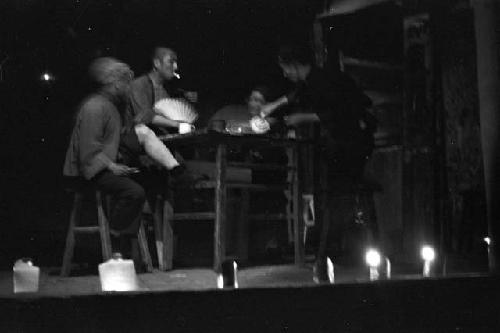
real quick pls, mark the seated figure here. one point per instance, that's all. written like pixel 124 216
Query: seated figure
pixel 238 117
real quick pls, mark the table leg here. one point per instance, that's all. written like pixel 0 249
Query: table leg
pixel 243 227
pixel 298 222
pixel 289 193
pixel 220 206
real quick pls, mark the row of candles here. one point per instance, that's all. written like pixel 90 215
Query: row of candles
pixel 378 265
pixel 118 274
pixel 324 269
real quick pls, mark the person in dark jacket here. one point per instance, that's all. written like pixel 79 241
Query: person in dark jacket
pixel 346 133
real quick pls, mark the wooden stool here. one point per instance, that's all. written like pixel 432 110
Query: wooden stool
pixel 102 228
pixel 163 230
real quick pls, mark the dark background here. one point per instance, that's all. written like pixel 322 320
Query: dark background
pixel 224 48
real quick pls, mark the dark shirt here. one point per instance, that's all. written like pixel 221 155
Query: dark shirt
pixel 336 100
pixel 342 109
pixel 143 95
pixel 140 102
pixel 95 137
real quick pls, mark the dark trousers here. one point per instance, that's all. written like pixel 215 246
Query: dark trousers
pixel 127 200
pixel 337 189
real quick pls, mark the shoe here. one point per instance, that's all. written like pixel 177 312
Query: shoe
pixel 180 177
pixel 178 170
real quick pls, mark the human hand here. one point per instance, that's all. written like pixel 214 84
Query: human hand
pixel 121 169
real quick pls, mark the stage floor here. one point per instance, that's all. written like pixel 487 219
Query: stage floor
pixel 276 276
pixel 270 299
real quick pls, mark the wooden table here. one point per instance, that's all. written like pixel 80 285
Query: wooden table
pixel 221 142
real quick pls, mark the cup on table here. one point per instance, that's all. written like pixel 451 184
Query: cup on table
pixel 185 128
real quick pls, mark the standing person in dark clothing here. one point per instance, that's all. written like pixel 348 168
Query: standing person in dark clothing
pixel 333 100
pixel 346 129
pixel 93 148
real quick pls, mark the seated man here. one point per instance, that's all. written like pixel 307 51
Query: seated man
pixel 93 149
pixel 238 116
pixel 140 117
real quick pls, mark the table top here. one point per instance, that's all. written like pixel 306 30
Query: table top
pixel 210 137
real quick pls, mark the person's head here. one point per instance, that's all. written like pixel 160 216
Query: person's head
pixel 164 63
pixel 111 74
pixel 295 61
pixel 257 98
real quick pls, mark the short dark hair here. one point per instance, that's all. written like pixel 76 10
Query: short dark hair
pixel 160 52
pixel 295 53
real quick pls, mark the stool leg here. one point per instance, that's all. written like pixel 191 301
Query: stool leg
pixel 144 248
pixel 103 228
pixel 157 224
pixel 167 235
pixel 70 237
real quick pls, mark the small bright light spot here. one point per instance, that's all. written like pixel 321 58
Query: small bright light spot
pixel 47 77
pixel 427 253
pixel 487 240
pixel 372 258
pixel 89 28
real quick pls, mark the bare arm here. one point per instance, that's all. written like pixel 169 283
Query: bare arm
pixel 269 108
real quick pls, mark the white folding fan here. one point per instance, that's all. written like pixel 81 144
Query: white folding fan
pixel 176 109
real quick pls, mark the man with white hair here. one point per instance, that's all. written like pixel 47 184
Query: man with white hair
pixel 93 149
